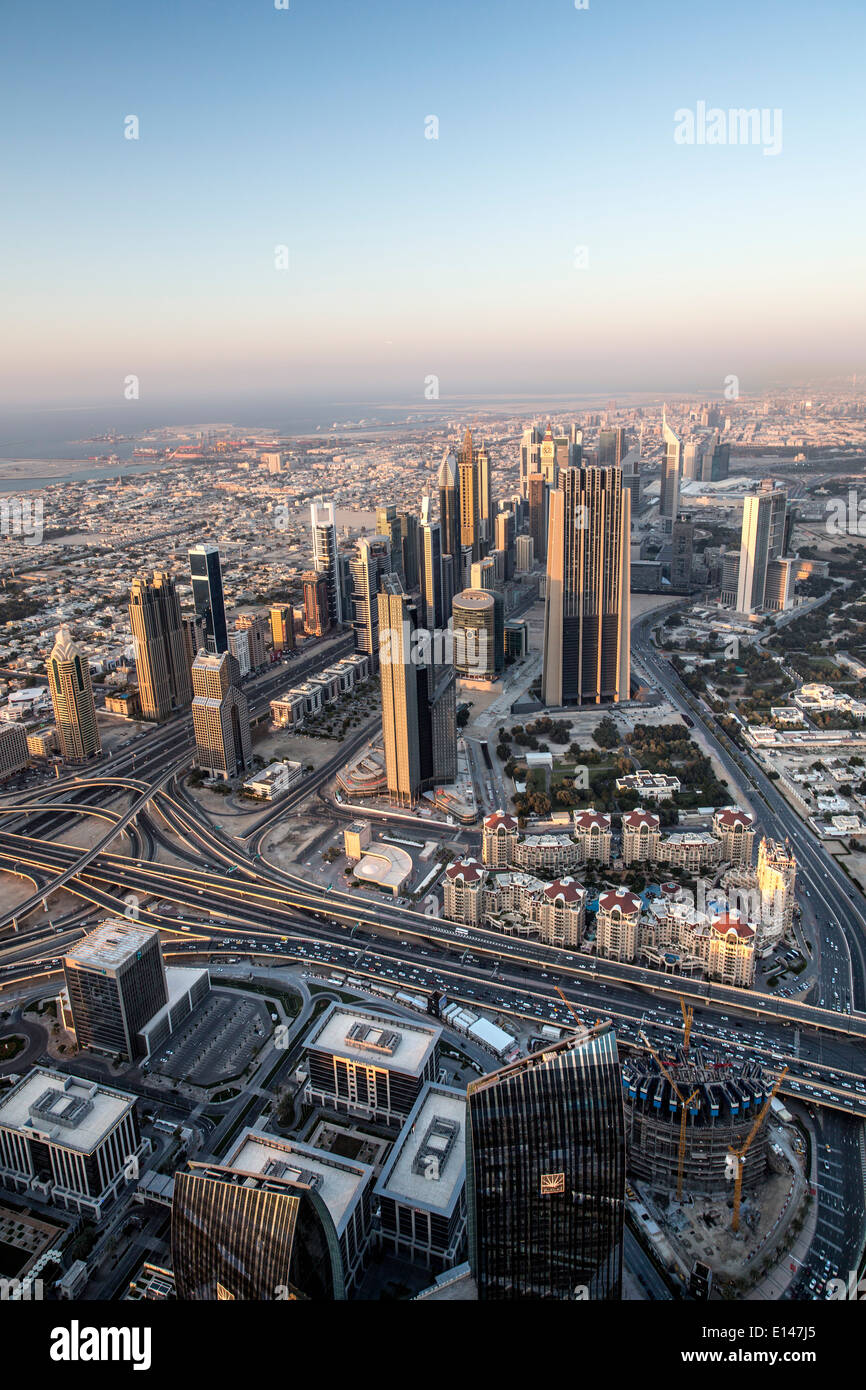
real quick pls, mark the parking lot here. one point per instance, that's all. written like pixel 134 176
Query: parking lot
pixel 218 1041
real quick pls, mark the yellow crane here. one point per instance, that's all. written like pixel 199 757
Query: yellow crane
pixel 688 1016
pixel 737 1157
pixel 684 1111
pixel 573 1010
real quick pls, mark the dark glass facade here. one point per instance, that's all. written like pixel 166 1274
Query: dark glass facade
pixel 109 1007
pixel 546 1174
pixel 234 1236
pixel 207 592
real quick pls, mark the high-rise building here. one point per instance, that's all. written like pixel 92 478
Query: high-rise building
pixel 482 574
pixel 409 553
pixel 255 625
pixel 470 497
pixel 545 1179
pixel 682 545
pixel 433 614
pixel 485 493
pixel 631 476
pixel 525 548
pixel 194 640
pixel 419 708
pixel 115 979
pixel 549 459
pixel 207 592
pixel 282 616
pixel 449 507
pixel 239 646
pixel 317 613
pixel 763 540
pixel 161 664
pixel 587 611
pixel 505 534
pixel 372 559
pixel 611 448
pixel 537 491
pixel 479 634
pixel 672 468
pixel 220 715
pixel 264 1236
pixel 388 525
pixel 530 456
pixel 14 751
pixel 448 586
pixel 72 698
pixel 325 556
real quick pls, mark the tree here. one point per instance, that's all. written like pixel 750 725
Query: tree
pixel 605 734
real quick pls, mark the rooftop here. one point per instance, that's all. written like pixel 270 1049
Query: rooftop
pixel 340 1182
pixel 111 945
pixel 409 1046
pixel 72 1112
pixel 427 1166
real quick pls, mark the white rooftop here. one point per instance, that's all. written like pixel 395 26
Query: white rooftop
pixel 107 1107
pixel 409 1046
pixel 341 1180
pixel 112 943
pixel 441 1159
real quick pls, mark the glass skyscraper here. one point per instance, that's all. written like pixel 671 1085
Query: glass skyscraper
pixel 207 593
pixel 546 1173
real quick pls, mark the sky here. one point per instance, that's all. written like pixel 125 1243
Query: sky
pixel 411 258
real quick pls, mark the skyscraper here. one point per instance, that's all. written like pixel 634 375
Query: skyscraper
pixel 537 492
pixel 220 715
pixel 433 614
pixel 504 536
pixel 762 541
pixel 672 469
pixel 485 494
pixel 161 665
pixel 409 553
pixel 325 556
pixel 479 634
pixel 72 698
pixel 545 1180
pixel 682 546
pixel 207 592
pixel 587 608
pixel 317 615
pixel 419 709
pixel 115 979
pixel 530 456
pixel 282 618
pixel 470 496
pixel 388 524
pixel 449 506
pixel 372 559
pixel 611 447
pixel 262 1236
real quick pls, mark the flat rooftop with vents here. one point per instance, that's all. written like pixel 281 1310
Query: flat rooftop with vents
pixel 111 945
pixel 366 1035
pixel 75 1113
pixel 340 1182
pixel 427 1166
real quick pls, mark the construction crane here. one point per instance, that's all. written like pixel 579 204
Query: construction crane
pixel 688 1015
pixel 573 1010
pixel 684 1111
pixel 737 1157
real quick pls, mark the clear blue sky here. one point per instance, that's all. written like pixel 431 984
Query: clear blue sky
pixel 408 256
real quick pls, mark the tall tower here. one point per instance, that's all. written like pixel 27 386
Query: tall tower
pixel 325 561
pixel 372 560
pixel 537 491
pixel 72 698
pixel 207 592
pixel 672 467
pixel 162 668
pixel 470 496
pixel 545 1174
pixel 485 493
pixel 433 613
pixel 530 456
pixel 587 606
pixel 419 708
pixel 388 524
pixel 449 506
pixel 220 715
pixel 762 540
pixel 317 614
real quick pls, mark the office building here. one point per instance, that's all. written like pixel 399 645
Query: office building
pixel 67 1141
pixel 409 552
pixel 207 592
pixel 116 983
pixel 672 468
pixel 14 750
pixel 388 526
pixel 470 496
pixel 530 456
pixel 485 494
pixel 479 634
pixel 419 709
pixel 525 548
pixel 282 617
pixel 372 559
pixel 586 614
pixel 433 612
pixel 239 646
pixel 545 1174
pixel 326 558
pixel 220 716
pixel 449 508
pixel 258 631
pixel 611 448
pixel 368 1063
pixel 317 615
pixel 504 536
pixel 253 1236
pixel 422 1189
pixel 537 492
pixel 161 666
pixel 631 476
pixel 682 545
pixel 763 540
pixel 72 699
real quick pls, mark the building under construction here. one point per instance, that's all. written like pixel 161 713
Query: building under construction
pixel 729 1096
